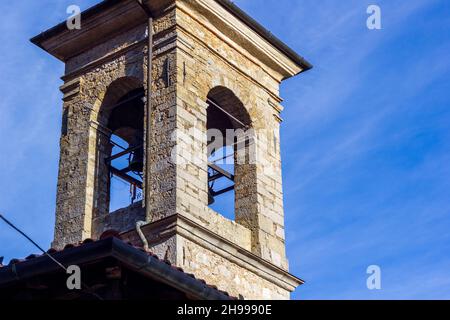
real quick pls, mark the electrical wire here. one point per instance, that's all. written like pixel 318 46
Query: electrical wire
pixel 9 223
pixel 31 240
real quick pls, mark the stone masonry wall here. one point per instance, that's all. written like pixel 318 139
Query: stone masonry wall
pixel 83 189
pixel 204 62
pixel 191 57
pixel 200 252
pixel 226 275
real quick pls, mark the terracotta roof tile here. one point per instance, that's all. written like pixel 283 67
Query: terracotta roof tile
pixel 106 235
pixel 32 256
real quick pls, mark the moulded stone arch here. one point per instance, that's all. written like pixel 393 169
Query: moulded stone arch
pixel 100 147
pixel 111 93
pixel 243 90
pixel 230 113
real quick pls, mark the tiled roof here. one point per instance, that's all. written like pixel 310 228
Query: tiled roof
pixel 109 235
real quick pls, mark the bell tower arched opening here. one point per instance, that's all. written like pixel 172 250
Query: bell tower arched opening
pixel 229 139
pixel 119 171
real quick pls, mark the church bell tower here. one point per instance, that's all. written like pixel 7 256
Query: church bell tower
pixel 170 137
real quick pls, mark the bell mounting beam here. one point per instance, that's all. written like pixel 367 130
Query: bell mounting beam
pixel 219 173
pixel 123 173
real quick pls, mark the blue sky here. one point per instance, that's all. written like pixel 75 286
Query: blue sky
pixel 366 145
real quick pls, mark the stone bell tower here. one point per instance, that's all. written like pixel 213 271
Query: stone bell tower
pixel 214 72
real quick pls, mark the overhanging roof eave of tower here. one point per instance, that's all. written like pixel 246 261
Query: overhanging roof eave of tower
pixel 50 40
pixel 266 34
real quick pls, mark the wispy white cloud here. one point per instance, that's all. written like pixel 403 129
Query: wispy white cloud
pixel 338 118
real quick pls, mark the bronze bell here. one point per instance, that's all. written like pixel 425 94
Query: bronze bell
pixel 137 160
pixel 211 199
